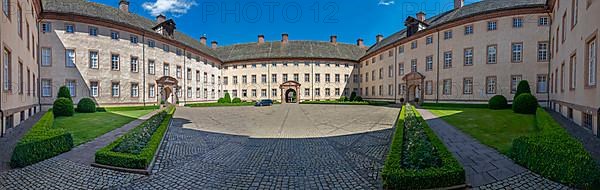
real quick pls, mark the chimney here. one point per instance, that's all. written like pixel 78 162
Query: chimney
pixel 284 38
pixel 458 4
pixel 261 39
pixel 333 39
pixel 421 16
pixel 379 38
pixel 160 18
pixel 214 44
pixel 203 40
pixel 124 6
pixel 360 42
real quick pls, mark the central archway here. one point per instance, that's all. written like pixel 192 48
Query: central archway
pixel 167 86
pixel 289 92
pixel 414 81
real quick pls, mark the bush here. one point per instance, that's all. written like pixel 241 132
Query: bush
pixel 136 156
pixel 522 88
pixel 227 98
pixel 498 102
pixel 41 142
pixel 63 92
pixel 353 96
pixel 455 105
pixel 394 176
pixel 221 100
pixel 86 105
pixel 236 100
pixel 525 104
pixel 63 107
pixel 554 154
pixel 358 99
pixel 343 99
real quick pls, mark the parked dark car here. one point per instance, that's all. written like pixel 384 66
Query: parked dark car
pixel 265 102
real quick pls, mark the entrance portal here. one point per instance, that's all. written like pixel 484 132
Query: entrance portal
pixel 414 81
pixel 167 86
pixel 289 92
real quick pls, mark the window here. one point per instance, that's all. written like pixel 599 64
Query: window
pixel 429 63
pixel 94 89
pixel 468 30
pixel 573 72
pixel 166 71
pixel 448 34
pixel 297 77
pixel 114 62
pixel 468 86
pixel 491 54
pixel 285 77
pixel 587 120
pixel 574 12
pixel 490 85
pixel 592 62
pixel 244 79
pixel 274 78
pixel 306 91
pixel 562 77
pixel 46 56
pixel 134 64
pixel 327 92
pixel 429 40
pixel 317 92
pixel 6 7
pixel 517 22
pixel 165 47
pixel 253 92
pixel 542 51
pixel 46 27
pixel 133 39
pixel 367 77
pixel 253 79
pixel 413 44
pixel 20 77
pixel 400 50
pixel 327 78
pixel 178 71
pixel 413 65
pixel 69 28
pixel 468 56
pixel 263 79
pixel 93 31
pixel 543 21
pixel 447 59
pixel 517 52
pixel 46 87
pixel 134 90
pixel 116 89
pixel 6 69
pixel 317 77
pixel 93 59
pixel 235 80
pixel 447 87
pixel 390 54
pixel 19 21
pixel 306 77
pixel 151 67
pixel 178 52
pixel 514 82
pixel 346 76
pixel 151 43
pixel 542 83
pixel 70 58
pixel 274 92
pixel 400 70
pixel 564 24
pixel 225 79
pixel 429 87
pixel 491 25
pixel 336 78
pixel 390 71
pixel 71 85
pixel 114 35
pixel 263 92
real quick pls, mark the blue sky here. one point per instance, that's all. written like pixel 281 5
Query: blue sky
pixel 240 21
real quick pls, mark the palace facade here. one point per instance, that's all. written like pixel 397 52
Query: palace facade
pixel 467 55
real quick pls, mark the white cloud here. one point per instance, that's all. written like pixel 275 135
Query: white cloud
pixel 174 7
pixel 386 2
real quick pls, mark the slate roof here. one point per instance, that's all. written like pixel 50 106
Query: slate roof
pixel 469 10
pixel 291 49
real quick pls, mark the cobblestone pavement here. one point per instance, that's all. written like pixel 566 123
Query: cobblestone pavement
pixel 485 167
pixel 585 136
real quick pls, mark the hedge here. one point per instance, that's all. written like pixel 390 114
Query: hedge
pixel 554 154
pixel 394 176
pixel 127 108
pixel 455 105
pixel 41 142
pixel 107 156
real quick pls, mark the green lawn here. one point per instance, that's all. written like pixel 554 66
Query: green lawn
pixel 216 104
pixel 87 126
pixel 495 128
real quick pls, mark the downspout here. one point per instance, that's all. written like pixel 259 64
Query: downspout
pixel 548 90
pixel 312 82
pixel 144 68
pixel 437 82
pixel 269 81
pixel 2 111
pixel 184 77
pixel 395 74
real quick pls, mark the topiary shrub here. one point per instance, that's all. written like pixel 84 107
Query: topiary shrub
pixel 358 99
pixel 236 100
pixel 525 104
pixel 221 100
pixel 498 102
pixel 63 107
pixel 63 92
pixel 86 105
pixel 227 98
pixel 523 87
pixel 343 99
pixel 353 96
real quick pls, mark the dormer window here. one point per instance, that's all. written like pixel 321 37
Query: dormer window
pixel 166 28
pixel 414 25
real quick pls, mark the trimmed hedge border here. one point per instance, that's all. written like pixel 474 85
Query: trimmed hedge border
pixel 453 105
pixel 217 104
pixel 106 156
pixel 554 154
pixel 450 174
pixel 127 108
pixel 41 142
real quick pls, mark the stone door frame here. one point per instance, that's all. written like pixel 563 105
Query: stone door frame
pixel 168 87
pixel 284 87
pixel 414 81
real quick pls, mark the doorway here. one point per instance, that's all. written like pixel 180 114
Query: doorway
pixel 290 96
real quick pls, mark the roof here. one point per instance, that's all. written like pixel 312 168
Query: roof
pixel 473 9
pixel 291 49
pixel 96 10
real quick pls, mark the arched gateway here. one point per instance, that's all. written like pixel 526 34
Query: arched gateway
pixel 167 86
pixel 289 92
pixel 414 82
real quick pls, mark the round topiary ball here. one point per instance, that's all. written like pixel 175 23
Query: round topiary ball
pixel 498 102
pixel 63 107
pixel 359 99
pixel 525 104
pixel 86 105
pixel 236 100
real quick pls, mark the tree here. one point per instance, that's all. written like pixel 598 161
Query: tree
pixel 353 96
pixel 523 87
pixel 63 92
pixel 227 98
pixel 63 107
